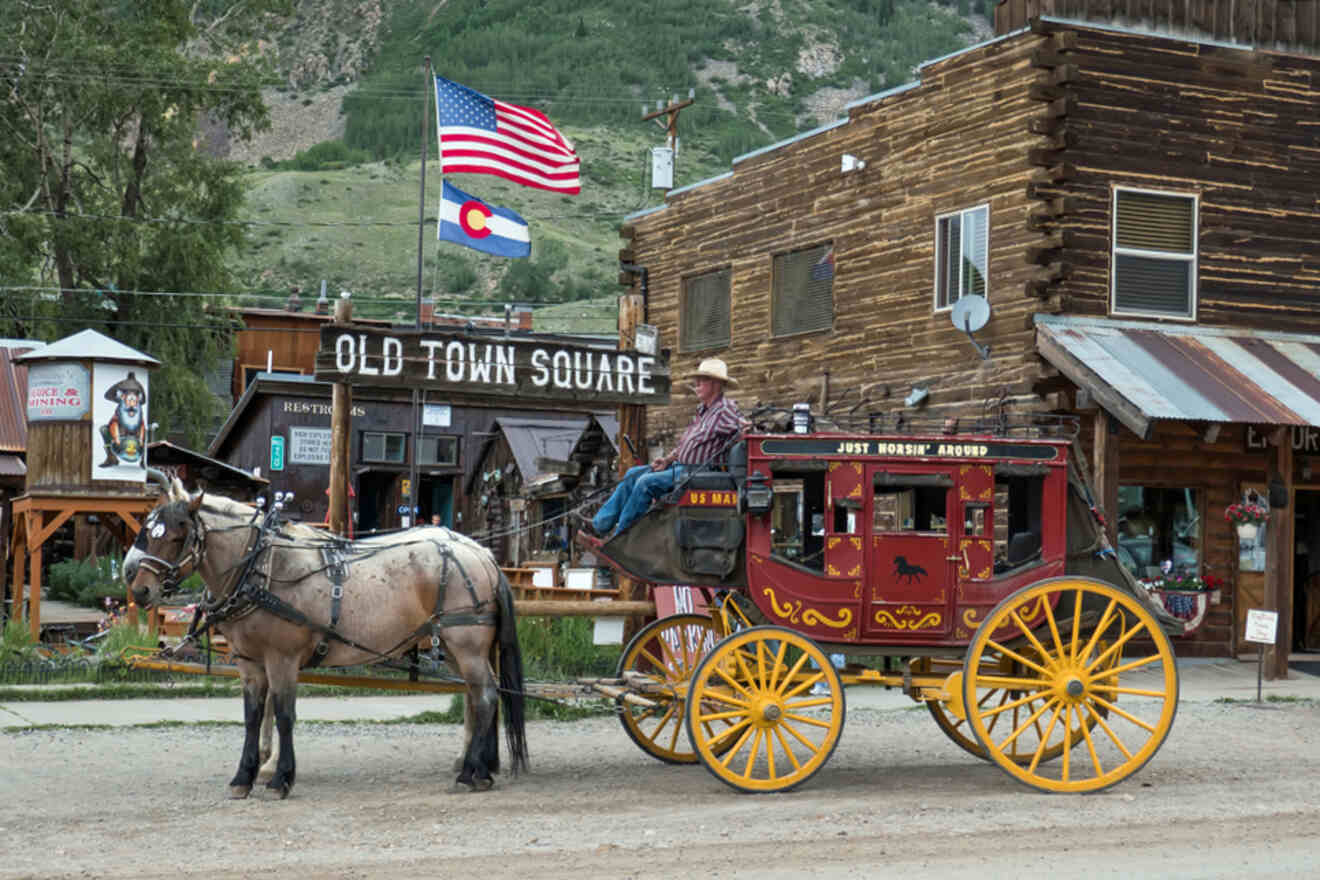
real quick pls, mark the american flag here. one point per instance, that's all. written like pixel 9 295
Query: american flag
pixel 482 136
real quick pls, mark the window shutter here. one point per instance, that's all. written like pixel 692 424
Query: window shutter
pixel 803 291
pixel 1151 222
pixel 947 265
pixel 976 230
pixel 705 318
pixel 1146 283
pixel 1149 285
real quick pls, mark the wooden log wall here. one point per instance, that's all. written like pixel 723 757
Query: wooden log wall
pixel 1270 23
pixel 59 461
pixel 957 140
pixel 1236 128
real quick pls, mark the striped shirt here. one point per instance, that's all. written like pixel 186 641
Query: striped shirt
pixel 713 427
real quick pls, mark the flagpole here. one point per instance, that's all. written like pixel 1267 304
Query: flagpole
pixel 413 509
pixel 421 196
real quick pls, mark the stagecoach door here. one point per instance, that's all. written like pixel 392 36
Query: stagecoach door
pixel 913 552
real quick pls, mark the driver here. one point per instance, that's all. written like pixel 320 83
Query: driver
pixel 716 423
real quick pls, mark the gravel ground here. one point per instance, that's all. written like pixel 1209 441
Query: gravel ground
pixel 1232 793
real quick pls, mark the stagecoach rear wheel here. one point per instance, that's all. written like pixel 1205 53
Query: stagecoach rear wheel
pixel 665 652
pixel 1095 673
pixel 782 700
pixel 1024 749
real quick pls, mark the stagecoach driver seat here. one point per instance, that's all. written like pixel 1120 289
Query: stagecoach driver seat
pixel 716 423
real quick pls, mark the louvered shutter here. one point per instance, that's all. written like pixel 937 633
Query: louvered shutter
pixel 1145 282
pixel 705 318
pixel 803 291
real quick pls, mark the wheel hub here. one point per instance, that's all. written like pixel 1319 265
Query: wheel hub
pixel 768 713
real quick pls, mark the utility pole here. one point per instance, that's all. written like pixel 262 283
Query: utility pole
pixel 662 177
pixel 675 105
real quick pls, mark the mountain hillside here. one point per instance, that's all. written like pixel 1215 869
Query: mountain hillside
pixel 351 85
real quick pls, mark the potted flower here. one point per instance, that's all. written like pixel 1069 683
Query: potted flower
pixel 1247 517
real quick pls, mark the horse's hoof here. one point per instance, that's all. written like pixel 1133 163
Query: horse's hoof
pixel 265 774
pixel 238 792
pixel 281 788
pixel 483 784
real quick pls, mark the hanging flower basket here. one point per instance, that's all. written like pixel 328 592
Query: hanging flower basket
pixel 1246 513
pixel 1247 532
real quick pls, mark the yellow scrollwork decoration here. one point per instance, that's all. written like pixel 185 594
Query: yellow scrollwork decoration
pixel 793 609
pixel 884 618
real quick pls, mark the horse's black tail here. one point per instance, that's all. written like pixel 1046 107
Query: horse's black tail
pixel 511 679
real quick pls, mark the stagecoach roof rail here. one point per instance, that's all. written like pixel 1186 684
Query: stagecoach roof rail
pixel 1041 426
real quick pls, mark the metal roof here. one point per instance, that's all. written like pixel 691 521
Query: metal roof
pixel 530 439
pixel 90 345
pixel 13 401
pixel 11 466
pixel 1145 371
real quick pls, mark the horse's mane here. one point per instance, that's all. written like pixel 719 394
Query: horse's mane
pixel 231 509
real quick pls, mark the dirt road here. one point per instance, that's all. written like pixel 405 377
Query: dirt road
pixel 1233 793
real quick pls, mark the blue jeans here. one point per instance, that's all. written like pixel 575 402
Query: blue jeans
pixel 633 496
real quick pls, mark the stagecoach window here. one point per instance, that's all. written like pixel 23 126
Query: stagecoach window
pixel 1017 519
pixel 918 508
pixel 797 520
pixel 976 521
pixel 1156 525
pixel 437 450
pixel 379 446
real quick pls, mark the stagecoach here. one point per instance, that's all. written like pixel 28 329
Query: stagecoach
pixel 967 567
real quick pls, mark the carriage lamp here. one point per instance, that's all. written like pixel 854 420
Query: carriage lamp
pixel 801 418
pixel 758 497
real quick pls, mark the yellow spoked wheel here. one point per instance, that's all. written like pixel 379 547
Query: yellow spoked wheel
pixel 782 700
pixel 665 652
pixel 1070 668
pixel 1024 749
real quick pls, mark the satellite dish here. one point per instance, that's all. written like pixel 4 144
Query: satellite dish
pixel 969 314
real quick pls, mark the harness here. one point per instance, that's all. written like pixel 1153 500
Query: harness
pixel 250 591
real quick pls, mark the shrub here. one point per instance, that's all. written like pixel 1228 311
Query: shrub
pixel 17 642
pixel 87 582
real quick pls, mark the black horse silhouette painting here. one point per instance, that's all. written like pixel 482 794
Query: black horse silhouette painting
pixel 905 569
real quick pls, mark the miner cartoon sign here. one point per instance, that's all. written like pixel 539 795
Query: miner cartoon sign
pixel 461 364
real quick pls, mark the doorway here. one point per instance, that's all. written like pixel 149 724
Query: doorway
pixel 436 495
pixel 378 499
pixel 1306 571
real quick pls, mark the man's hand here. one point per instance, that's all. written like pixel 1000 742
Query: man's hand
pixel 661 463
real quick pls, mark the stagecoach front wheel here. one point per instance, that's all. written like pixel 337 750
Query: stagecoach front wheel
pixel 781 700
pixel 662 657
pixel 1075 669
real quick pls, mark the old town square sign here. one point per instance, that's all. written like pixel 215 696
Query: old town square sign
pixel 484 366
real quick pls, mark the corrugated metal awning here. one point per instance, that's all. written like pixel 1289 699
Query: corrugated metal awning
pixel 1143 371
pixel 530 439
pixel 11 465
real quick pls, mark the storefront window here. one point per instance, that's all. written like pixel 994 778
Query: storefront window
pixel 1159 525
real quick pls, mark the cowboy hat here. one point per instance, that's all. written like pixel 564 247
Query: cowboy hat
pixel 714 368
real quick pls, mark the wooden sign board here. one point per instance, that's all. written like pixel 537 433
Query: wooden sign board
pixel 484 366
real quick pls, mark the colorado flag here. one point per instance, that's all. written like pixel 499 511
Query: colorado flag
pixel 475 224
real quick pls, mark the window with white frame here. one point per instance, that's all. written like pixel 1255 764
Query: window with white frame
pixel 962 255
pixel 803 300
pixel 1154 267
pixel 704 322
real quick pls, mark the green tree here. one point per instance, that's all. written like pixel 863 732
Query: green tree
pixel 113 215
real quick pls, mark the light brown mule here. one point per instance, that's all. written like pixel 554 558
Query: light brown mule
pixel 271 592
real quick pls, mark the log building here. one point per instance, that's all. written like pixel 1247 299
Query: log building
pixel 1137 201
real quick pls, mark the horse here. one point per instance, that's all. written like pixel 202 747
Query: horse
pixel 288 596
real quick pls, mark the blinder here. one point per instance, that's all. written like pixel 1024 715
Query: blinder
pixel 171 574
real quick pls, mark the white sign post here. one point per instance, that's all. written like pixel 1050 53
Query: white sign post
pixel 1262 627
